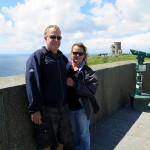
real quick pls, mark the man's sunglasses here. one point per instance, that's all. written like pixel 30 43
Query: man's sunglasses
pixel 78 53
pixel 55 37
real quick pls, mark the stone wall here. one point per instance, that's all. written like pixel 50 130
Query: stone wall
pixel 116 82
pixel 15 125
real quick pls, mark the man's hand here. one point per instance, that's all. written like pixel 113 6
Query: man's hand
pixel 36 117
pixel 70 82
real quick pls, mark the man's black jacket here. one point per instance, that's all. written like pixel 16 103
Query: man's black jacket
pixel 46 80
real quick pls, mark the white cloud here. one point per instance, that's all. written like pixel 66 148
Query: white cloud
pixel 22 26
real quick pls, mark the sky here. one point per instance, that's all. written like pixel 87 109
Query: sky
pixel 96 23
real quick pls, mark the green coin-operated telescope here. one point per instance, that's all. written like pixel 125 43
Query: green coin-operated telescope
pixel 140 100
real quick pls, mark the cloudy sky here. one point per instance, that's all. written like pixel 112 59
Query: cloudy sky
pixel 96 23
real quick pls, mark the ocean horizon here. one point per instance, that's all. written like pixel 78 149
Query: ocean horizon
pixel 15 64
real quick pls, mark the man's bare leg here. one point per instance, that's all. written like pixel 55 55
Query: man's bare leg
pixel 47 148
pixel 60 147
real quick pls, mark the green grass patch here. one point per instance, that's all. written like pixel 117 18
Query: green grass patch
pixel 108 59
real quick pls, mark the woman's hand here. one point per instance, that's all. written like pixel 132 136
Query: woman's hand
pixel 70 82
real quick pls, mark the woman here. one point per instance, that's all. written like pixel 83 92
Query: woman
pixel 82 85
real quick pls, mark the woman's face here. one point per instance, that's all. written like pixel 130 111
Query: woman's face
pixel 77 54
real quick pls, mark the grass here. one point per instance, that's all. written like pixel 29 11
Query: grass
pixel 108 59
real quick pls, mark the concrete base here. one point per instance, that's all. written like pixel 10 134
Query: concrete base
pixel 141 102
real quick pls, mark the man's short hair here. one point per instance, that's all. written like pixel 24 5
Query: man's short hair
pixel 51 26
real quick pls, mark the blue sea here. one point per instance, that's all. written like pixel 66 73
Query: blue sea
pixel 15 64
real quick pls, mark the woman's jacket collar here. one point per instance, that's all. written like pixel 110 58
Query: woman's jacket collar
pixel 81 66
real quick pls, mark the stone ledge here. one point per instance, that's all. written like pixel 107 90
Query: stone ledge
pixel 11 81
pixel 111 65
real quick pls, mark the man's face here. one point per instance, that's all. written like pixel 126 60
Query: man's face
pixel 53 40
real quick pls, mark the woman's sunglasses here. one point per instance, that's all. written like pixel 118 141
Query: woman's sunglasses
pixel 78 53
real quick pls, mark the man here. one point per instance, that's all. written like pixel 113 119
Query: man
pixel 47 92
